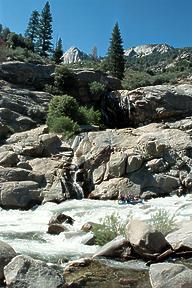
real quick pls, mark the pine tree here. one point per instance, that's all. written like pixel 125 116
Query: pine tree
pixel 45 31
pixel 94 53
pixel 58 52
pixel 115 57
pixel 32 30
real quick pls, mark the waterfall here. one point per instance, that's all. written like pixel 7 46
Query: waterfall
pixel 71 173
pixel 78 188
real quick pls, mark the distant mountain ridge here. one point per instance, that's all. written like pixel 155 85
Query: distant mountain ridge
pixel 74 55
pixel 148 49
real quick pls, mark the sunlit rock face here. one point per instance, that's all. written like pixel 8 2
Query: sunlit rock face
pixel 148 49
pixel 153 160
pixel 73 55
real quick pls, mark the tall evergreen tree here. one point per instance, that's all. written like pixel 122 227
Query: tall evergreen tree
pixel 58 52
pixel 115 56
pixel 32 30
pixel 45 31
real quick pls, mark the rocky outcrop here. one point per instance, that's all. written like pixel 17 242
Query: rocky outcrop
pixel 21 109
pixel 26 73
pixel 6 255
pixel 24 271
pixel 148 104
pixel 170 275
pixel 33 169
pixel 150 160
pixel 148 49
pixel 73 55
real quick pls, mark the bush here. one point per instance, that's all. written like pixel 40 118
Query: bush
pixel 97 88
pixel 25 55
pixel 63 106
pixel 89 116
pixel 110 227
pixel 65 80
pixel 63 125
pixel 163 222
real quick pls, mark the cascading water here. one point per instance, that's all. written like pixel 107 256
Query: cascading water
pixel 30 227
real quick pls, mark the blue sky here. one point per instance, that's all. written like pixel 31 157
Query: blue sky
pixel 88 23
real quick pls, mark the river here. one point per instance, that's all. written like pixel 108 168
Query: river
pixel 26 231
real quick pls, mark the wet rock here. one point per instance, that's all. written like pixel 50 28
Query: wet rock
pixel 114 248
pixel 6 254
pixel 24 271
pixel 87 226
pixel 170 275
pixel 56 229
pixel 60 218
pixel 82 262
pixel 145 241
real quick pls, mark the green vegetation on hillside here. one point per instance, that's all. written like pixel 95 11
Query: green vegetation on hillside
pixel 65 115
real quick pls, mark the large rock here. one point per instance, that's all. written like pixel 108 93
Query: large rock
pixel 112 188
pixel 26 272
pixel 35 143
pixel 117 164
pixel 114 248
pixel 144 239
pixel 6 255
pixel 170 275
pixel 149 104
pixel 21 194
pixel 26 73
pixel 181 239
pixel 8 174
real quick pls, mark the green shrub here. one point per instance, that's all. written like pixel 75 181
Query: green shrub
pixel 89 116
pixel 25 55
pixel 97 88
pixel 65 80
pixel 63 125
pixel 63 106
pixel 163 222
pixel 110 227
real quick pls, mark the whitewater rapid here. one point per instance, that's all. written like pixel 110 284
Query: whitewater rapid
pixel 26 231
